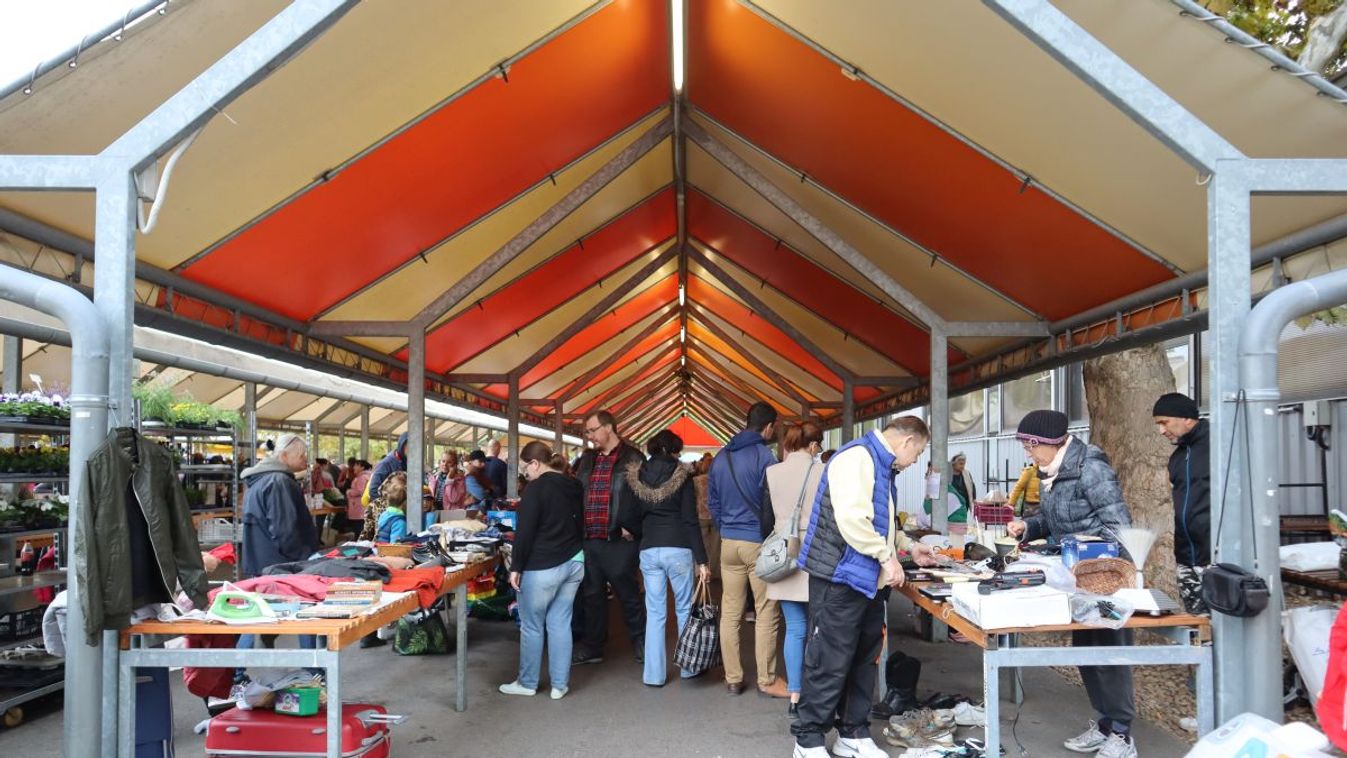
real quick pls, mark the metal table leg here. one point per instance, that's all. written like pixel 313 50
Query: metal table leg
pixel 331 662
pixel 461 649
pixel 1012 675
pixel 1206 706
pixel 991 700
pixel 126 705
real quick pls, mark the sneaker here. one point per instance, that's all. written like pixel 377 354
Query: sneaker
pixel 515 688
pixel 1118 746
pixel 925 717
pixel 559 692
pixel 912 734
pixel 809 752
pixel 845 747
pixel 1188 724
pixel 967 714
pixel 925 752
pixel 580 658
pixel 1088 741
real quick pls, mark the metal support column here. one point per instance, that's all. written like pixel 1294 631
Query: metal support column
pixel 559 441
pixel 1228 241
pixel 11 382
pixel 311 437
pixel 416 425
pixel 432 428
pixel 848 410
pixel 512 419
pixel 364 433
pixel 940 425
pixel 250 420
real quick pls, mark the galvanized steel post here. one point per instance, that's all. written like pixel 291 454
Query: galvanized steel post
pixel 939 426
pixel 364 433
pixel 416 424
pixel 512 425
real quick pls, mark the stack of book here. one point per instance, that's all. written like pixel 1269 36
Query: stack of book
pixel 345 600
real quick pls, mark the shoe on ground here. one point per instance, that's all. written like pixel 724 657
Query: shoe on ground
pixel 1118 746
pixel 845 747
pixel 559 692
pixel 809 752
pixel 735 688
pixel 967 714
pixel 372 640
pixel 515 688
pixel 924 752
pixel 1089 741
pixel 1188 724
pixel 910 734
pixel 777 689
pixel 580 658
pixel 927 719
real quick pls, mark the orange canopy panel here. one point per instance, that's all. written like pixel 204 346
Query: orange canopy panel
pixel 694 434
pixel 798 106
pixel 544 288
pixel 647 347
pixel 471 156
pixel 656 369
pixel 606 327
pixel 810 285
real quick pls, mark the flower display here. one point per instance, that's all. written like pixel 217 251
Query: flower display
pixel 34 406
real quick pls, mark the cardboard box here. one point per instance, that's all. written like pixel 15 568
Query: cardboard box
pixel 1004 609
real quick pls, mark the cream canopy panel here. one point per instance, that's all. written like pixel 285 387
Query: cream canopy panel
pixel 810 384
pixel 617 377
pixel 734 361
pixel 205 388
pixel 284 404
pixel 403 294
pixel 315 409
pixel 507 354
pixel 948 291
pixel 375 415
pixel 603 353
pixel 1011 98
pixel 730 363
pixel 853 355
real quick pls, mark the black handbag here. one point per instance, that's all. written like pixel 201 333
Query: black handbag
pixel 1231 590
pixel 1226 587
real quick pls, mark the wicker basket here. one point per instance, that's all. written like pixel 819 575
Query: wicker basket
pixel 390 550
pixel 1105 576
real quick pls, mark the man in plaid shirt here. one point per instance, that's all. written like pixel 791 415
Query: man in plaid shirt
pixel 612 542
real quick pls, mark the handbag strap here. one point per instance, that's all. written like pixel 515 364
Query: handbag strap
pixel 799 505
pixel 729 459
pixel 701 595
pixel 1240 402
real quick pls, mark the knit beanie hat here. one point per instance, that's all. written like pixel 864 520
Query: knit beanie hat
pixel 1044 427
pixel 1175 405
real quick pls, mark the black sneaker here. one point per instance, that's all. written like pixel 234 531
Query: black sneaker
pixel 638 650
pixel 580 658
pixel 372 640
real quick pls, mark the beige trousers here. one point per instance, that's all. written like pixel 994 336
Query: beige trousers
pixel 736 576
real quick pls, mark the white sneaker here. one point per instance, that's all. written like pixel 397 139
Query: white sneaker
pixel 1088 741
pixel 559 692
pixel 925 752
pixel 846 747
pixel 809 752
pixel 967 714
pixel 515 688
pixel 1118 746
pixel 1188 724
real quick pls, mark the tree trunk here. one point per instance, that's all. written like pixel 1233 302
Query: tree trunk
pixel 1121 389
pixel 1323 43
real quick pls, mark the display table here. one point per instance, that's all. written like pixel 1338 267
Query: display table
pixel 335 635
pixel 1001 651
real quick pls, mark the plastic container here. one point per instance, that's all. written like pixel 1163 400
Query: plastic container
pixel 297 701
pixel 1074 550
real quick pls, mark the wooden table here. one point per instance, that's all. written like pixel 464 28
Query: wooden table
pixel 1000 650
pixel 336 635
pixel 1328 580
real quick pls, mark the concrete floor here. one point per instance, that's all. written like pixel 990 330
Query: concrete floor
pixel 609 712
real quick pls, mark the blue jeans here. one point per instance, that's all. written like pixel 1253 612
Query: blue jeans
pixel 662 566
pixel 546 599
pixel 797 625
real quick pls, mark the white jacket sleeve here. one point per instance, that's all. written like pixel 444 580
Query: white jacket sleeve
pixel 851 477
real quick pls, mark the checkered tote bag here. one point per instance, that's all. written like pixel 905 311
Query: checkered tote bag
pixel 698 647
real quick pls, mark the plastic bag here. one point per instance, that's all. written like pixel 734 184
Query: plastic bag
pixel 1100 610
pixel 1059 577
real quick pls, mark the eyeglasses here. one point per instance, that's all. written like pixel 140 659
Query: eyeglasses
pixel 1028 444
pixel 592 429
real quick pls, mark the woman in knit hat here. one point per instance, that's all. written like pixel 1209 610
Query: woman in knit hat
pixel 1079 494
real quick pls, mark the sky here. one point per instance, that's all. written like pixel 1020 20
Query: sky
pixel 32 31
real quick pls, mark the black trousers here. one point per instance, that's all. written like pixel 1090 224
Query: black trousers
pixel 1109 687
pixel 606 563
pixel 846 634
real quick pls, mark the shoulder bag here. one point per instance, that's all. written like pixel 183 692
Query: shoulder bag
pixel 776 561
pixel 1226 587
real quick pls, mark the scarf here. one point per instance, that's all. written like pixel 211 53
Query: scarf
pixel 1050 471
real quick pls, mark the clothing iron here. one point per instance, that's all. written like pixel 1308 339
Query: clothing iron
pixel 240 607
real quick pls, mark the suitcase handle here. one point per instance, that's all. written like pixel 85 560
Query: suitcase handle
pixel 374 717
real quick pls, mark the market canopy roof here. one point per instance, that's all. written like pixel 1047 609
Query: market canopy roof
pixel 512 173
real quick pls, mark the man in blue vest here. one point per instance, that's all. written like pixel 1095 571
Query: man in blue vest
pixel 851 555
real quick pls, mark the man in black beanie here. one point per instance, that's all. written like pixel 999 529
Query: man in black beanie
pixel 1190 479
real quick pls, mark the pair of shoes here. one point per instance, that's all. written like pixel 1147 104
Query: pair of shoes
pixel 793 711
pixel 559 692
pixel 809 752
pixel 1118 746
pixel 581 657
pixel 777 689
pixel 967 714
pixel 846 747
pixel 515 688
pixel 1088 741
pixel 735 688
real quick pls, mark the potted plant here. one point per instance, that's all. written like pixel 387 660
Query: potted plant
pixel 156 403
pixel 33 408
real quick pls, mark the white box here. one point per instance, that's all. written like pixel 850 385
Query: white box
pixel 1005 609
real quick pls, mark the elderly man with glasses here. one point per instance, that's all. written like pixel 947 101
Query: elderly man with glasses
pixel 611 544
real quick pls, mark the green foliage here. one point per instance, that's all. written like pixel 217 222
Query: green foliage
pixel 35 460
pixel 159 404
pixel 1282 23
pixel 156 403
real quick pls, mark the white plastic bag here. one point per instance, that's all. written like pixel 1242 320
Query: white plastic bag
pixel 1310 556
pixel 1306 631
pixel 1250 735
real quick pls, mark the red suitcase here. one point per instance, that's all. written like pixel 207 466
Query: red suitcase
pixel 364 733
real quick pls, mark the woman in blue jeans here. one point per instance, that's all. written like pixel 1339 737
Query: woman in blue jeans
pixel 546 568
pixel 794 483
pixel 671 543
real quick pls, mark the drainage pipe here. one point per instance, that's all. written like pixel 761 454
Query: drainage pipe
pixel 1258 378
pixel 88 427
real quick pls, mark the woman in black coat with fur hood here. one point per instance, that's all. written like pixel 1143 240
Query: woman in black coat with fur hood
pixel 672 551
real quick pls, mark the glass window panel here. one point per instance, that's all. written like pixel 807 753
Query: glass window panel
pixel 1023 395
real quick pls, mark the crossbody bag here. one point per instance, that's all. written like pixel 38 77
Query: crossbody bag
pixel 776 561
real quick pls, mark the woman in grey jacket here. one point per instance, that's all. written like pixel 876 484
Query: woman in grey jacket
pixel 1080 495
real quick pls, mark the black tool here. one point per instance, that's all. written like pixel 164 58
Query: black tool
pixel 1010 581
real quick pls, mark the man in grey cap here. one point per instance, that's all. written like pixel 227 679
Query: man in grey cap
pixel 277 527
